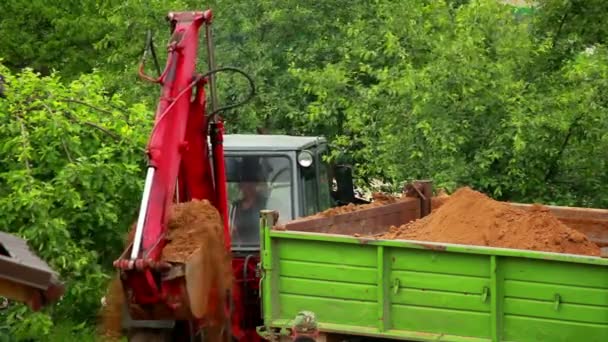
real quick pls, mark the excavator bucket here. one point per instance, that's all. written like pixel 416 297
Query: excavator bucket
pixel 196 241
pixel 196 282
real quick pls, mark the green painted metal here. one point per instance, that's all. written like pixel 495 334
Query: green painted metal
pixel 410 290
pixel 266 257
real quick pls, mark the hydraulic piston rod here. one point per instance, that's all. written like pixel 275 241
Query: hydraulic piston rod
pixel 143 210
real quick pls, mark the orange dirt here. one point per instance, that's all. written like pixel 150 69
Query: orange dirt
pixel 111 313
pixel 439 200
pixel 595 229
pixel 379 199
pixel 471 218
pixel 195 236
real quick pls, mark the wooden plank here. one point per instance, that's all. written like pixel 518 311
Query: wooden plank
pixel 16 291
pixel 24 276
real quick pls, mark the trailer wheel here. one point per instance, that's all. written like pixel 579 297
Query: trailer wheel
pixel 149 335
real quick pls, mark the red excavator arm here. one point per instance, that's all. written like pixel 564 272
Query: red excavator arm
pixel 179 167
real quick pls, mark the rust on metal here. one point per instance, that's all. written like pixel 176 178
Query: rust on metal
pixel 25 276
pixel 431 247
pixel 423 190
pixel 364 241
pixel 426 188
pixel 368 221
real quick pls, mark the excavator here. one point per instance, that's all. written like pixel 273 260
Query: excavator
pixel 190 158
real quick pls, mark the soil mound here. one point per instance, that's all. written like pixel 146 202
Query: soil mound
pixel 378 199
pixel 439 200
pixel 471 218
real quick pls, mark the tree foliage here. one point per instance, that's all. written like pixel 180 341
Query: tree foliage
pixel 70 172
pixel 465 95
pixel 461 92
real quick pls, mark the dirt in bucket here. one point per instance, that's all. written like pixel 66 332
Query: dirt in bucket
pixel 195 237
pixel 472 218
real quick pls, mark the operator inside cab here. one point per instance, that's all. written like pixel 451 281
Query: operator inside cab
pixel 251 199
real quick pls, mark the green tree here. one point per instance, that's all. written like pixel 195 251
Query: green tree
pixel 71 165
pixel 462 92
pixel 463 96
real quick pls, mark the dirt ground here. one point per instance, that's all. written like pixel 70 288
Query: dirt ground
pixel 472 218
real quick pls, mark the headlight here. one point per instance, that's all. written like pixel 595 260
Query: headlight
pixel 305 159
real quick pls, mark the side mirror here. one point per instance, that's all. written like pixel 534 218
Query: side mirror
pixel 2 95
pixel 344 179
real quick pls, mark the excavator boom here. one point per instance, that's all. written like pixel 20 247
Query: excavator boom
pixel 179 170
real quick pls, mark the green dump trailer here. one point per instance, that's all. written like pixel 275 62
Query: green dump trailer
pixel 421 291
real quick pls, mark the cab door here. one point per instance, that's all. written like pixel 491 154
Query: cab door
pixel 314 184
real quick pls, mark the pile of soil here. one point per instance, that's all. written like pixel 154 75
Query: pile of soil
pixel 378 199
pixel 471 218
pixel 195 236
pixel 439 200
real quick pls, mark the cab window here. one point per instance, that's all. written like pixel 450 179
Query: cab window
pixel 256 183
pixel 309 190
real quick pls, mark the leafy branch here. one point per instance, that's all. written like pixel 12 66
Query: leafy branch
pixel 63 144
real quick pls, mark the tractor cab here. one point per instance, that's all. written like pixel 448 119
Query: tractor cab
pixel 279 172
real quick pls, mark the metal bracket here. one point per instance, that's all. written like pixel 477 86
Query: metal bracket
pixel 260 273
pixel 423 190
pixel 396 284
pixel 557 301
pixel 485 294
pixel 271 334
